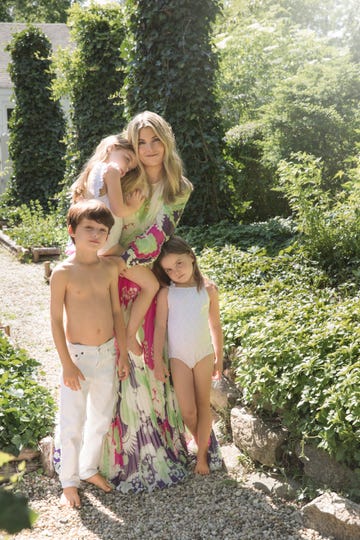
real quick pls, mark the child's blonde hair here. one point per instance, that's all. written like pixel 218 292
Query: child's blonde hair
pixel 178 246
pixel 129 182
pixel 175 183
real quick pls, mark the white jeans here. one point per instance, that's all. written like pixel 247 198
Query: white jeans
pixel 85 414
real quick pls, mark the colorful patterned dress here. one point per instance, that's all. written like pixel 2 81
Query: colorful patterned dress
pixel 145 448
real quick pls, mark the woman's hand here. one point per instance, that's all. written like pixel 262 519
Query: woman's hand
pixel 135 200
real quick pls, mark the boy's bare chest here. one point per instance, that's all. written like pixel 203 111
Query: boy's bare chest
pixel 91 282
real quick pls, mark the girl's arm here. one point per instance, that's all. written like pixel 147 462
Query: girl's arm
pixel 160 369
pixel 118 206
pixel 119 325
pixel 145 248
pixel 216 329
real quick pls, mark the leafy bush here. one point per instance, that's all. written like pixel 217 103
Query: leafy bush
pixel 330 226
pixel 273 234
pixel 297 343
pixel 26 408
pixel 30 226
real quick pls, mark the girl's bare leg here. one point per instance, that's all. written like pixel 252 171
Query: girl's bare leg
pixel 183 380
pixel 202 383
pixel 149 286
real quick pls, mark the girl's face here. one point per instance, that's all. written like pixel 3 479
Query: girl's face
pixel 150 148
pixel 125 159
pixel 179 268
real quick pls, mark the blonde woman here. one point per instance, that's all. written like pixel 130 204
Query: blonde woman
pixel 145 448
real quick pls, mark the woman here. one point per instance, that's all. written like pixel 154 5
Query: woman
pixel 145 448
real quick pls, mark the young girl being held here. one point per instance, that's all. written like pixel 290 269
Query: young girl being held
pixel 111 175
pixel 188 314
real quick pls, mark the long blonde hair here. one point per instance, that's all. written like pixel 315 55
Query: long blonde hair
pixel 175 183
pixel 129 182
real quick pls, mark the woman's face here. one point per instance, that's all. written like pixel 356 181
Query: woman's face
pixel 150 148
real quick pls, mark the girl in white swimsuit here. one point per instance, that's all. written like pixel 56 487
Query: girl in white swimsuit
pixel 187 314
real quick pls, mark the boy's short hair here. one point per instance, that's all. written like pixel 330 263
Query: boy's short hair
pixel 89 209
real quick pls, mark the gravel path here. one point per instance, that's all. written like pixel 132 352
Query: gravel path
pixel 215 507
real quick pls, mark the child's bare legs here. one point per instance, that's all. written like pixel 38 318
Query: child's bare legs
pixel 99 481
pixel 149 286
pixel 192 388
pixel 183 380
pixel 70 497
pixel 202 382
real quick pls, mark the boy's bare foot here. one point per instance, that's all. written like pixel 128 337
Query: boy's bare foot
pixel 100 482
pixel 202 466
pixel 70 497
pixel 133 345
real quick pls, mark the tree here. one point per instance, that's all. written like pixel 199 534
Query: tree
pixel 92 76
pixel 35 11
pixel 172 68
pixel 316 112
pixel 37 125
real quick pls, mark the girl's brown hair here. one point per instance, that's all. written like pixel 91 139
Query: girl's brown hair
pixel 178 246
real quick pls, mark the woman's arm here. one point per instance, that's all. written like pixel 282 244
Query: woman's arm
pixel 145 248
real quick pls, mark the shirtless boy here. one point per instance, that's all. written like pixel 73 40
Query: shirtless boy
pixel 85 317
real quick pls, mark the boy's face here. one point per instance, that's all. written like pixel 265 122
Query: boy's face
pixel 89 234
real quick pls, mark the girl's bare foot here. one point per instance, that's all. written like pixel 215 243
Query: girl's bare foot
pixel 202 466
pixel 70 497
pixel 100 482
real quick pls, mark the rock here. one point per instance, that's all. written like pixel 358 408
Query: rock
pixel 259 440
pixel 272 486
pixel 46 446
pixel 320 466
pixel 224 394
pixel 334 516
pixel 231 456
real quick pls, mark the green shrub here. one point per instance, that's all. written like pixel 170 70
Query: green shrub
pixel 297 342
pixel 329 225
pixel 26 408
pixel 273 234
pixel 30 226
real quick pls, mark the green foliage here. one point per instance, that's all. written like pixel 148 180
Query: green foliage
pixel 316 112
pixel 286 84
pixel 14 512
pixel 330 226
pixel 92 76
pixel 49 11
pixel 26 408
pixel 30 226
pixel 297 341
pixel 172 69
pixel 37 125
pixel 252 181
pixel 272 235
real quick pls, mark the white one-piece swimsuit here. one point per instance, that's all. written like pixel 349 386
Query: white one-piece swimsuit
pixel 189 338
